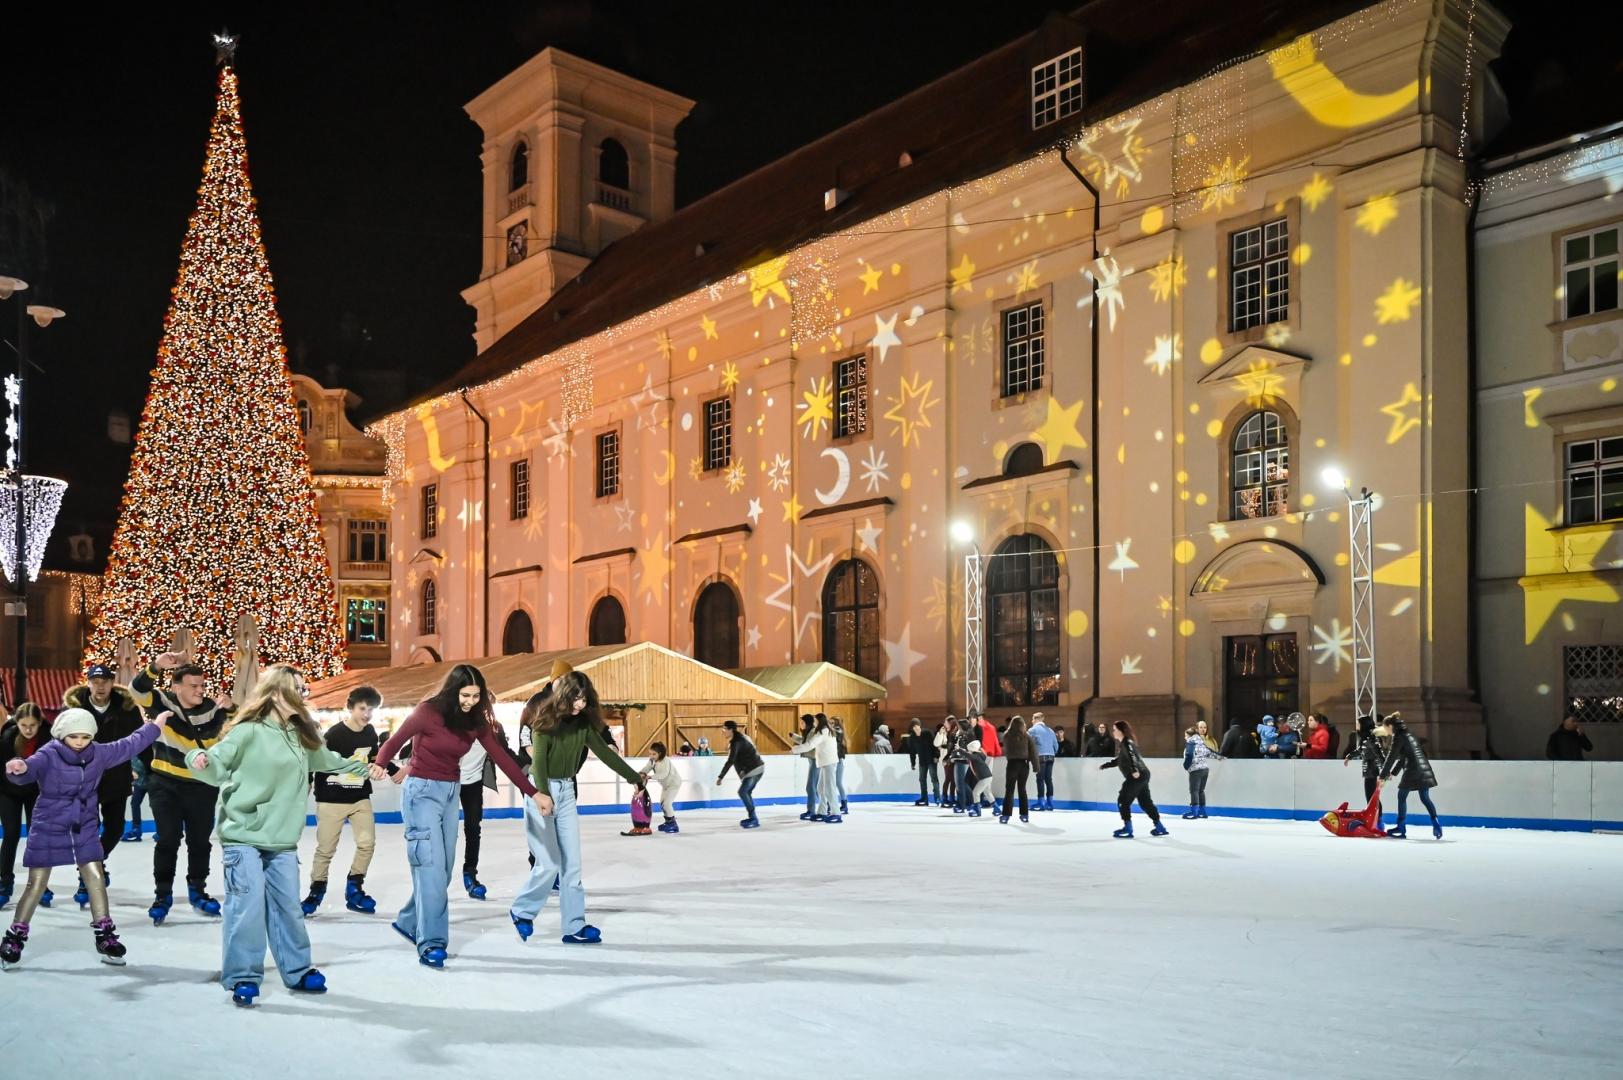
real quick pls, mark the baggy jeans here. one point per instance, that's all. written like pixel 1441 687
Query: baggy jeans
pixel 429 810
pixel 261 903
pixel 554 843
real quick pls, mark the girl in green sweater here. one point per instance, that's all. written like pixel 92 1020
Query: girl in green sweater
pixel 565 722
pixel 262 767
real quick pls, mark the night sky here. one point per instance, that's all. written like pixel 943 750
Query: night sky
pixel 367 169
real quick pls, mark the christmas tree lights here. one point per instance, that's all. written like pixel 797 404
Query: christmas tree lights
pixel 219 517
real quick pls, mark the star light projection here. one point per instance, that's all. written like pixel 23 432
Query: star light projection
pixel 219 516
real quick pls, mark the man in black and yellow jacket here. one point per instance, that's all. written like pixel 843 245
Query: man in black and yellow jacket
pixel 117 716
pixel 180 801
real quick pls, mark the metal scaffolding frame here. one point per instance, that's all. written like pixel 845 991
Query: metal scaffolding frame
pixel 1361 552
pixel 974 633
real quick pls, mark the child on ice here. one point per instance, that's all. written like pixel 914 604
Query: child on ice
pixel 66 827
pixel 262 767
pixel 341 797
pixel 662 769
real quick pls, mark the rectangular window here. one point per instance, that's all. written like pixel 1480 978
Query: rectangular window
pixel 1594 480
pixel 851 397
pixel 1259 275
pixel 368 541
pixel 1056 89
pixel 718 433
pixel 1024 357
pixel 431 511
pixel 519 504
pixel 366 621
pixel 608 464
pixel 1589 268
pixel 1594 683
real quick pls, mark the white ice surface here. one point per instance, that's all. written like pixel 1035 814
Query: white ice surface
pixel 903 943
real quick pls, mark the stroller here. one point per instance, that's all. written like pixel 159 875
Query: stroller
pixel 1366 822
pixel 642 812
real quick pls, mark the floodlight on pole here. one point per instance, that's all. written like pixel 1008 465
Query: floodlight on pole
pixel 963 532
pixel 1361 562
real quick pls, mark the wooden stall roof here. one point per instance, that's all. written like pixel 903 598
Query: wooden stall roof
pixel 821 681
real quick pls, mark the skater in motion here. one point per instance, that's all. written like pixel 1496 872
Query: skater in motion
pixel 181 802
pixel 1409 762
pixel 478 775
pixel 440 730
pixel 825 755
pixel 20 738
pixel 745 761
pixel 117 716
pixel 262 767
pixel 1135 783
pixel 341 797
pixel 565 721
pixel 1198 756
pixel 662 769
pixel 66 820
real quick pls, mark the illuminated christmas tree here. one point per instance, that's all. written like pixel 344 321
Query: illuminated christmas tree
pixel 219 517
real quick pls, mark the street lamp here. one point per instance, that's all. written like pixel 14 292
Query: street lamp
pixel 963 532
pixel 1361 556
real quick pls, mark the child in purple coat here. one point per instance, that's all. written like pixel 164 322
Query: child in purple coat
pixel 66 829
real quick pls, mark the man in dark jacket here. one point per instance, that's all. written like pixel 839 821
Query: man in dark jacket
pixel 1237 742
pixel 117 717
pixel 919 745
pixel 1568 742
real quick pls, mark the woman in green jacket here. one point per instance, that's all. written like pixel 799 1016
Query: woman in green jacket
pixel 565 721
pixel 262 767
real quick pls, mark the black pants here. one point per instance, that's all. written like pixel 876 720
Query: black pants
pixel 181 806
pixel 1136 789
pixel 112 820
pixel 13 808
pixel 928 775
pixel 473 816
pixel 1045 777
pixel 1197 788
pixel 1014 777
pixel 1370 784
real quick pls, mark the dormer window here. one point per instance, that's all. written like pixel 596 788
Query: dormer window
pixel 1056 89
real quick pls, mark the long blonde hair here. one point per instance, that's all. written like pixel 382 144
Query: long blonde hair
pixel 277 694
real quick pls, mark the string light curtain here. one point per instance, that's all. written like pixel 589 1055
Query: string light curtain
pixel 219 516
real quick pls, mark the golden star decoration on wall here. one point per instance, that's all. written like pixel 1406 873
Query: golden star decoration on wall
pixel 963 275
pixel 1377 213
pixel 525 412
pixel 652 565
pixel 1555 575
pixel 870 279
pixel 909 410
pixel 1168 277
pixel 1314 192
pixel 1121 166
pixel 735 477
pixel 708 325
pixel 1222 184
pixel 1396 303
pixel 791 509
pixel 817 411
pixel 1027 281
pixel 1405 413
pixel 729 376
pixel 1059 430
pixel 666 345
pixel 696 468
pixel 766 281
pixel 1260 384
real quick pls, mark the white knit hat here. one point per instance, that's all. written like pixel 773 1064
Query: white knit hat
pixel 73 722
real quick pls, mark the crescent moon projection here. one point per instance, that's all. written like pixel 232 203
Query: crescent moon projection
pixel 844 481
pixel 431 431
pixel 1324 96
pixel 670 469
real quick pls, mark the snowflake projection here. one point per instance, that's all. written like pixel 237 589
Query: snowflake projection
pixel 874 469
pixel 1315 191
pixel 535 526
pixel 1167 350
pixel 1377 213
pixel 817 410
pixel 1222 184
pixel 1333 645
pixel 1260 384
pixel 777 474
pixel 1113 154
pixel 696 468
pixel 1108 277
pixel 735 477
pixel 1168 277
pixel 729 377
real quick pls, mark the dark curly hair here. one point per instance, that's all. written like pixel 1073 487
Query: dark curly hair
pixel 445 699
pixel 552 711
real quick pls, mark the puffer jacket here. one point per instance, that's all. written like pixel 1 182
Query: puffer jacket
pixel 1238 743
pixel 120 719
pixel 66 828
pixel 1290 743
pixel 1267 736
pixel 957 748
pixel 1129 761
pixel 1370 752
pixel 1408 761
pixel 1197 754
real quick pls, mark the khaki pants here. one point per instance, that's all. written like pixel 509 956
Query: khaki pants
pixel 330 818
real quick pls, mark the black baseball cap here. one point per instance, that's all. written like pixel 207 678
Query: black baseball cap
pixel 99 671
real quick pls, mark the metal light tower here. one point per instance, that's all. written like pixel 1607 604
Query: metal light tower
pixel 974 620
pixel 1361 553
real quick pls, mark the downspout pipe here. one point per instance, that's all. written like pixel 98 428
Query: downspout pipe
pixel 483 498
pixel 1093 420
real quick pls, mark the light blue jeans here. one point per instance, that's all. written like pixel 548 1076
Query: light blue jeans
pixel 429 809
pixel 839 779
pixel 827 798
pixel 555 843
pixel 811 784
pixel 262 901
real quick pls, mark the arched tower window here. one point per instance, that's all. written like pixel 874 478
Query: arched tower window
pixel 613 166
pixel 518 167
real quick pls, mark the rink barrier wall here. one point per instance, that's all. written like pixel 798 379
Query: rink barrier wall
pixel 1566 796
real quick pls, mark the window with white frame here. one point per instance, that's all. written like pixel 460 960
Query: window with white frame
pixel 1056 89
pixel 368 540
pixel 1594 683
pixel 851 396
pixel 718 433
pixel 428 619
pixel 1261 466
pixel 1594 480
pixel 1589 268
pixel 1259 275
pixel 608 464
pixel 1024 358
pixel 431 511
pixel 519 480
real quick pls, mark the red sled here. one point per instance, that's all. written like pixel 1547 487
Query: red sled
pixel 642 812
pixel 1367 822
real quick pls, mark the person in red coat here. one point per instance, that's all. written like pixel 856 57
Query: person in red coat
pixel 1318 739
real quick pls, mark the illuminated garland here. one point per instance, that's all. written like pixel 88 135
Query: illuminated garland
pixel 219 514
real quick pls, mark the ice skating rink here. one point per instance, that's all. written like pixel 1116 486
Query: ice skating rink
pixel 902 943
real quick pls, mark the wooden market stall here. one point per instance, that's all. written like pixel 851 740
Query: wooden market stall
pixel 813 688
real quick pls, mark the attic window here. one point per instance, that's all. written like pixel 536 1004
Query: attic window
pixel 1056 89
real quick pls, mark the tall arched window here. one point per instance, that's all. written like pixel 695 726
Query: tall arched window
pixel 1261 466
pixel 715 627
pixel 428 620
pixel 1023 590
pixel 608 624
pixel 518 635
pixel 306 417
pixel 613 166
pixel 851 618
pixel 518 167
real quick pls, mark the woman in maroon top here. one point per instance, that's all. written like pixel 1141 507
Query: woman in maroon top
pixel 440 730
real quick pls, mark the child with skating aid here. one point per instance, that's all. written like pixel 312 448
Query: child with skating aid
pixel 642 812
pixel 261 766
pixel 341 797
pixel 662 769
pixel 66 827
